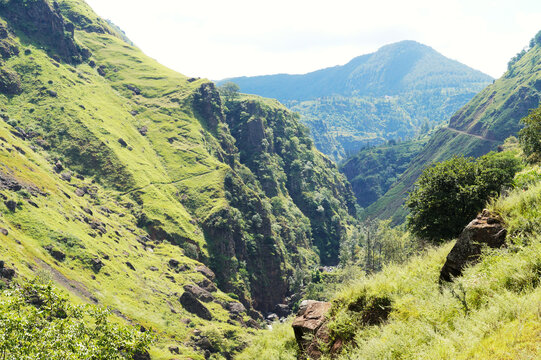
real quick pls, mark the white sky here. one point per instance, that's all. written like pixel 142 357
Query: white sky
pixel 225 38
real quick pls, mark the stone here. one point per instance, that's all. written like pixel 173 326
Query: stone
pixel 206 272
pixel 130 265
pixel 58 167
pixel 207 285
pixel 235 307
pixel 174 349
pixel 485 230
pixel 272 317
pixel 190 303
pixel 52 93
pixel 66 176
pixel 55 253
pixel 141 355
pixel 4 231
pixel 143 130
pixel 199 293
pixel 310 328
pixel 282 310
pixel 6 273
pixel 122 142
pixel 11 205
pixel 96 264
pixel 174 263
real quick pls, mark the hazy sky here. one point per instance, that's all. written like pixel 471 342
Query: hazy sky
pixel 226 38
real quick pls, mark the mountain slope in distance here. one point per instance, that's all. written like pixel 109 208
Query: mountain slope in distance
pixel 477 128
pixel 399 91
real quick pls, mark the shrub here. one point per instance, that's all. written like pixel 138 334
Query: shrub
pixel 530 136
pixel 449 194
pixel 38 323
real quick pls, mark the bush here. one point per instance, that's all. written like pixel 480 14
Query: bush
pixel 530 136
pixel 38 323
pixel 448 195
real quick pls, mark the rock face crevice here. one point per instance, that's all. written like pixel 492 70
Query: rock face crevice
pixel 486 230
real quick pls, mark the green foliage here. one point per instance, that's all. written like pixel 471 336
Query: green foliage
pixel 38 323
pixel 372 171
pixel 530 136
pixel 229 90
pixel 449 194
pixel 476 129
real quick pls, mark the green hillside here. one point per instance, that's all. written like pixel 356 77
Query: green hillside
pixel 477 128
pixel 372 171
pixel 120 179
pixel 406 311
pixel 400 91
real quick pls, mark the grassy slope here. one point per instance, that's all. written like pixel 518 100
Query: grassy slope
pixel 167 183
pixel 493 114
pixel 491 312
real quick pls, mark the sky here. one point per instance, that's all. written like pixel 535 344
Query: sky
pixel 217 39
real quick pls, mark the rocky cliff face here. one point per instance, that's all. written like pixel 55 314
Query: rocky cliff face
pixel 39 20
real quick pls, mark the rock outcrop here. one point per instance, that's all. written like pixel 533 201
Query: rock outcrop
pixel 43 22
pixel 310 328
pixel 486 230
pixel 194 306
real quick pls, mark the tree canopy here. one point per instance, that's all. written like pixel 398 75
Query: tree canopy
pixel 448 195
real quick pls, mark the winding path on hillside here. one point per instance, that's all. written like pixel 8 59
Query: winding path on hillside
pixel 474 135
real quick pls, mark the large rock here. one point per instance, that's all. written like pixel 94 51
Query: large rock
pixel 486 230
pixel 194 306
pixel 206 272
pixel 310 328
pixel 199 293
pixel 6 273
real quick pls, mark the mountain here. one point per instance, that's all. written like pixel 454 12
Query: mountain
pixel 134 187
pixel 399 91
pixel 477 128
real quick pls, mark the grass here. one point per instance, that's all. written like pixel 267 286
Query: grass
pixel 492 311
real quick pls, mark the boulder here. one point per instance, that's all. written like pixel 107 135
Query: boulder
pixel 486 230
pixel 194 306
pixel 207 285
pixel 96 264
pixel 199 293
pixel 235 307
pixel 310 328
pixel 206 271
pixel 55 253
pixel 11 205
pixel 6 273
pixel 282 310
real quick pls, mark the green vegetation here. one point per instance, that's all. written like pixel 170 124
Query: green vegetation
pixel 530 138
pixel 448 195
pixel 490 312
pixel 400 91
pixel 476 129
pixel 38 323
pixel 372 171
pixel 119 178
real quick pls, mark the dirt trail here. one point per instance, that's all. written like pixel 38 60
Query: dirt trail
pixel 71 285
pixel 474 135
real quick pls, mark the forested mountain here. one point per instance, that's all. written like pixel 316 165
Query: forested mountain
pixel 477 128
pixel 126 184
pixel 400 91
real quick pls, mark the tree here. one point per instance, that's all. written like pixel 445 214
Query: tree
pixel 449 194
pixel 229 90
pixel 530 136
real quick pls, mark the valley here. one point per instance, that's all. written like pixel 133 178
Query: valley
pixel 150 215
